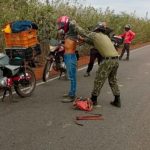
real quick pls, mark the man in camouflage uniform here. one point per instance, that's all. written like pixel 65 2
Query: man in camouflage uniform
pixel 109 65
pixel 94 54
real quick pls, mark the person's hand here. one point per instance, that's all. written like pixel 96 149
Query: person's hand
pixel 73 22
pixel 80 38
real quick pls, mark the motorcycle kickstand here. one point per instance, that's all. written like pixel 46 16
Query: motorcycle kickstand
pixel 4 94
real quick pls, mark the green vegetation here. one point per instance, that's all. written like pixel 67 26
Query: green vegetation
pixel 45 15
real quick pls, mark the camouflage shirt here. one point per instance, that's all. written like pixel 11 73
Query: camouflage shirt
pixel 72 32
pixel 99 40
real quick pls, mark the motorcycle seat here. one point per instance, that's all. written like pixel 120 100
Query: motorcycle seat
pixel 12 68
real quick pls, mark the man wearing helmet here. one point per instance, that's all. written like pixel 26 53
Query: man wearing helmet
pixel 107 68
pixel 128 36
pixel 102 27
pixel 94 54
pixel 70 41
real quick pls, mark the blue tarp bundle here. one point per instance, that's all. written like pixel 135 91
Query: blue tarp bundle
pixel 19 26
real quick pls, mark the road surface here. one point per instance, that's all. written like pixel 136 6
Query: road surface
pixel 42 122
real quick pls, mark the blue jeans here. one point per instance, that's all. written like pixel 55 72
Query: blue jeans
pixel 71 65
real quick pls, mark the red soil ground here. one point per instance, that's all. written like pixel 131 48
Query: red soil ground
pixel 39 70
pixel 82 61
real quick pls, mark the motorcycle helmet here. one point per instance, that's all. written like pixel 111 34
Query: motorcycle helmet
pixel 127 27
pixel 63 23
pixel 100 27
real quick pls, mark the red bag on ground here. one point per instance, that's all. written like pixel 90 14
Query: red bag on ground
pixel 83 104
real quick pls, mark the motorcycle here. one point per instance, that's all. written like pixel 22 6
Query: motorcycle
pixel 117 41
pixel 54 61
pixel 21 77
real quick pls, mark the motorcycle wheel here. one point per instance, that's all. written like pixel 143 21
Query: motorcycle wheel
pixel 24 88
pixel 47 70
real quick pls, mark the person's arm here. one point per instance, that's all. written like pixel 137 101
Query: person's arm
pixel 88 41
pixel 132 35
pixel 84 34
pixel 72 33
pixel 82 40
pixel 122 35
pixel 109 32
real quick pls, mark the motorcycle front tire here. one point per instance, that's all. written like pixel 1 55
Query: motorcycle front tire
pixel 47 70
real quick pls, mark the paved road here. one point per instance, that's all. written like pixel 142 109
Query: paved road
pixel 42 122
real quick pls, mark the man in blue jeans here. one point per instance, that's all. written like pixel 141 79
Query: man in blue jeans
pixel 71 65
pixel 64 24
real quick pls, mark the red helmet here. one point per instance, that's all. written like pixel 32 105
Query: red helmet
pixel 63 23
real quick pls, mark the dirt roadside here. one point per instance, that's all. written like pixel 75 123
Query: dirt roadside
pixel 82 62
pixel 39 70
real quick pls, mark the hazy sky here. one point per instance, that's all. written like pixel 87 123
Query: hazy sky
pixel 141 7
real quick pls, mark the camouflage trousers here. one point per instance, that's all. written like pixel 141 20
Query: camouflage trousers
pixel 107 69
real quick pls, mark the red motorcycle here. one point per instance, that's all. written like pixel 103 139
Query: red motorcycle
pixel 20 77
pixel 54 62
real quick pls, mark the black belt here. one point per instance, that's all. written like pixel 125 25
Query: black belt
pixel 115 57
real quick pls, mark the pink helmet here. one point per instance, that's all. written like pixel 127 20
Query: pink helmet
pixel 63 23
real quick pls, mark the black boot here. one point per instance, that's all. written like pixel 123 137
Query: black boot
pixel 127 58
pixel 116 101
pixel 94 99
